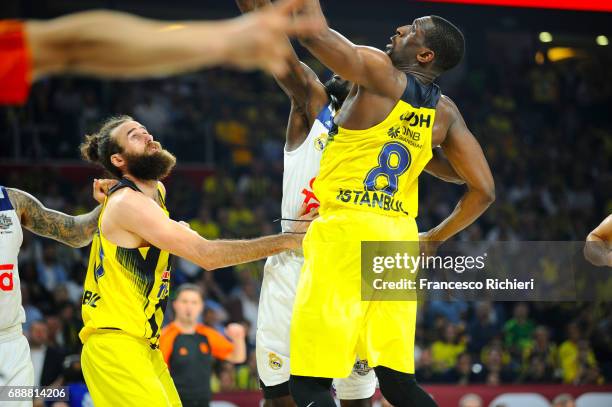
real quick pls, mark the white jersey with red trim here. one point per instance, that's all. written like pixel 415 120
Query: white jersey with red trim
pixel 282 271
pixel 12 314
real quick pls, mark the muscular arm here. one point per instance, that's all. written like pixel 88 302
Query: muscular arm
pixel 75 231
pixel 466 157
pixel 439 167
pixel 365 66
pixel 300 84
pixel 597 249
pixel 116 44
pixel 139 215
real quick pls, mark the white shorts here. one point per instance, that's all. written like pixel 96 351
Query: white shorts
pixel 281 275
pixel 16 366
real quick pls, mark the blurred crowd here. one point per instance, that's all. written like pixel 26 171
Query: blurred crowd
pixel 545 129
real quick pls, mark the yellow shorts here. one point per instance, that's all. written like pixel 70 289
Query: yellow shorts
pixel 331 325
pixel 122 370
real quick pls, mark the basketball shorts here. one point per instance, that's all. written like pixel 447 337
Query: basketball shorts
pixel 16 365
pixel 122 370
pixel 331 325
pixel 281 275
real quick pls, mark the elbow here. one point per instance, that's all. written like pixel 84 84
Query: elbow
pixel 486 195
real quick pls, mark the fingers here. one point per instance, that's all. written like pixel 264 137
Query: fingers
pixel 288 6
pixel 302 210
pixel 183 223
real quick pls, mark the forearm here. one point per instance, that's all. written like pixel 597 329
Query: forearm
pixel 215 254
pixel 441 168
pixel 470 207
pixel 238 355
pixel 122 45
pixel 75 231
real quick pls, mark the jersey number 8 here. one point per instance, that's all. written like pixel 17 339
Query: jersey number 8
pixel 393 160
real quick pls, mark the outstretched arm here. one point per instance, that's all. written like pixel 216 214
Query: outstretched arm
pixel 597 248
pixel 141 216
pixel 466 157
pixel 365 66
pixel 116 44
pixel 75 231
pixel 300 83
pixel 439 167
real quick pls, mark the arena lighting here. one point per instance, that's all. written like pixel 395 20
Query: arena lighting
pixel 545 36
pixel 591 5
pixel 539 58
pixel 560 53
pixel 601 40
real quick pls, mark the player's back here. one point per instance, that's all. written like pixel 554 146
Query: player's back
pixel 126 289
pixel 376 169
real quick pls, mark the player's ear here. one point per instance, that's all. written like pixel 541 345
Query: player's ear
pixel 117 160
pixel 425 56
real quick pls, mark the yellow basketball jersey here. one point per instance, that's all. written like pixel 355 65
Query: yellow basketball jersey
pixel 125 289
pixel 377 169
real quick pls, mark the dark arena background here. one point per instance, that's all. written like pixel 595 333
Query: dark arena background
pixel 535 88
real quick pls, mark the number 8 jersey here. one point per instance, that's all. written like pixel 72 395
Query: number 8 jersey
pixel 377 169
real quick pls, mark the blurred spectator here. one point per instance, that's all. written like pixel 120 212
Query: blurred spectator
pixel 483 327
pixel 536 370
pixel 444 352
pixel 518 331
pixel 50 272
pixel 470 400
pixel 495 372
pixel 542 349
pixel 463 373
pixel 564 400
pixel 425 371
pixel 573 356
pixel 47 360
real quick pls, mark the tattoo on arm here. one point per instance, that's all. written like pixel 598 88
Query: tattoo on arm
pixel 75 231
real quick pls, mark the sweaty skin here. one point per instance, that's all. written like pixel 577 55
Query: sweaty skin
pixel 380 83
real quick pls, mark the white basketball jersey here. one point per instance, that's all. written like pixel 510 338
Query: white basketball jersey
pixel 282 271
pixel 301 166
pixel 11 237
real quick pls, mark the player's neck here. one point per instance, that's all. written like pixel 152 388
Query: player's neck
pixel 422 76
pixel 187 327
pixel 148 187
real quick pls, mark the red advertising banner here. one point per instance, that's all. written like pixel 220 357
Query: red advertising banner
pixel 584 5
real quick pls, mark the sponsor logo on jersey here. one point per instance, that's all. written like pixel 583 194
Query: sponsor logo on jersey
pixel 5 223
pixel 6 277
pixel 361 367
pixel 320 142
pixel 371 199
pixel 274 361
pixel 413 119
pixel 310 199
pixel 90 298
pixel 164 287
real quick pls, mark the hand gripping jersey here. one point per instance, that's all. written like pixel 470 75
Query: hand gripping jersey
pixel 125 289
pixel 377 169
pixel 12 314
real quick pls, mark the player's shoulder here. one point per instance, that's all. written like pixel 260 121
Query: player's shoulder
pixel 125 201
pixel 447 109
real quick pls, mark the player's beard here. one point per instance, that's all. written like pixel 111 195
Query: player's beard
pixel 150 166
